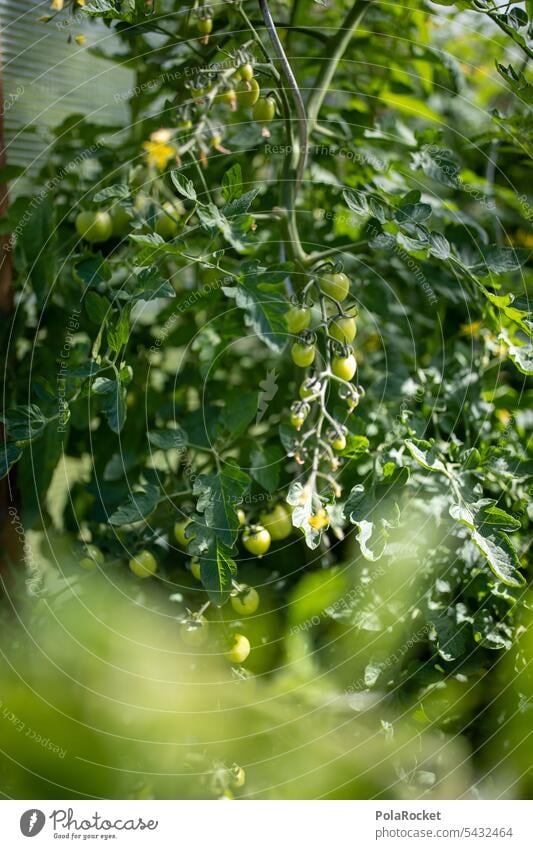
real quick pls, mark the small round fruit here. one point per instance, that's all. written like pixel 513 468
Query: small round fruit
pixel 246 601
pixel 337 286
pixel 256 540
pixel 205 25
pixel 248 93
pixel 310 388
pixel 215 140
pixel 278 522
pixel 93 558
pixel 166 225
pixel 144 565
pixel 241 516
pixel 195 569
pixel 227 96
pixel 94 226
pixel 120 220
pixel 302 355
pixel 298 319
pixel 194 630
pixel 339 442
pixel 343 329
pixel 246 72
pixel 344 367
pixel 239 650
pixel 264 110
pixel 179 533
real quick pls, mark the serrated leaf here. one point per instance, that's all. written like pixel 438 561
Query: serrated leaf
pixel 265 304
pixel 301 499
pixel 119 190
pixel 501 556
pixel 112 401
pixel 424 454
pixel 97 308
pixel 183 186
pixel 217 574
pixel 240 205
pixel 219 496
pixel 232 183
pixel 169 439
pixel 138 506
pixel 24 423
pixel 413 213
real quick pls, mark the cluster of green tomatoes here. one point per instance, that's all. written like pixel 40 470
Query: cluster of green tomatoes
pixel 337 322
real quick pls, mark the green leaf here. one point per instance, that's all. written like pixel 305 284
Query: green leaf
pixel 183 186
pixel 521 355
pixel 500 554
pixel 413 213
pixel 239 411
pixel 424 454
pixel 112 401
pixel 219 496
pixel 169 439
pixel 301 498
pixel 265 304
pixel 138 506
pixel 453 637
pixel 24 423
pixel 372 533
pixel 265 466
pixel 118 335
pixel 232 183
pixel 240 205
pixel 97 308
pixel 217 574
pixel 10 453
pixel 119 190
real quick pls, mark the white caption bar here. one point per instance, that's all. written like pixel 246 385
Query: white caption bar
pixel 314 825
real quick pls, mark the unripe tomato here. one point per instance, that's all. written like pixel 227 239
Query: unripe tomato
pixel 335 285
pixel 120 220
pixel 144 565
pixel 248 93
pixel 195 569
pixel 310 388
pixel 215 140
pixel 246 601
pixel 344 367
pixel 246 72
pixel 343 329
pixel 166 226
pixel 338 442
pixel 256 540
pixel 278 522
pixel 239 650
pixel 298 319
pixel 228 96
pixel 194 630
pixel 241 516
pixel 302 355
pixel 264 110
pixel 179 533
pixel 205 25
pixel 93 558
pixel 299 412
pixel 94 226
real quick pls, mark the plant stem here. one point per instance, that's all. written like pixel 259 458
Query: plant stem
pixel 336 49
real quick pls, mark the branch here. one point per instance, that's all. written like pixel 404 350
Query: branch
pixel 335 50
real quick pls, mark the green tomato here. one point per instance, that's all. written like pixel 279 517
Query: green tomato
pixel 194 631
pixel 179 533
pixel 93 558
pixel 239 650
pixel 344 367
pixel 144 565
pixel 120 220
pixel 298 319
pixel 343 329
pixel 241 516
pixel 278 522
pixel 337 286
pixel 264 110
pixel 256 540
pixel 310 388
pixel 302 355
pixel 228 96
pixel 205 25
pixel 94 226
pixel 246 72
pixel 166 226
pixel 246 601
pixel 248 93
pixel 339 442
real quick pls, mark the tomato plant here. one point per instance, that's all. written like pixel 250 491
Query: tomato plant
pixel 275 333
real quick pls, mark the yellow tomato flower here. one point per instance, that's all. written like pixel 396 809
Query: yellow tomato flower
pixel 158 153
pixel 471 329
